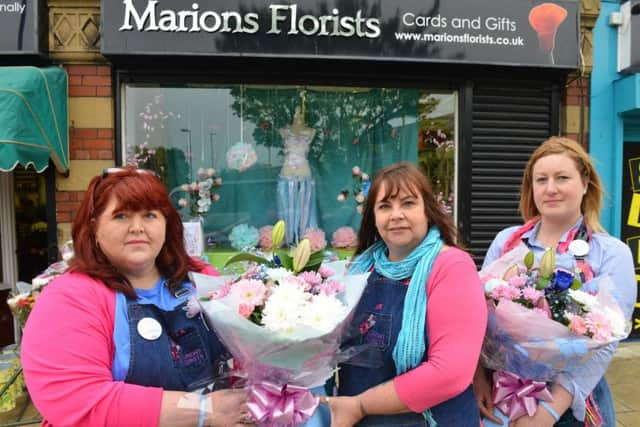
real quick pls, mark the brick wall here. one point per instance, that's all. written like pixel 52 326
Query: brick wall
pixel 574 118
pixel 91 137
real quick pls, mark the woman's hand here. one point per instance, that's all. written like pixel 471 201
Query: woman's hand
pixel 483 387
pixel 540 419
pixel 346 411
pixel 228 408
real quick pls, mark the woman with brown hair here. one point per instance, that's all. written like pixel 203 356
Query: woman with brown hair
pixel 422 316
pixel 110 342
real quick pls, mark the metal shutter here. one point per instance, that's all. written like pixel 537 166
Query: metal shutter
pixel 508 121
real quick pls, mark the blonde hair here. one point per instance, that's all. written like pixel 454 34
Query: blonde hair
pixel 592 200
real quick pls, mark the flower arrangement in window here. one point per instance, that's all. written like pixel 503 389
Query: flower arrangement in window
pixel 200 194
pixel 359 190
pixel 437 161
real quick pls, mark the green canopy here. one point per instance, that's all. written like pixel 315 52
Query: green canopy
pixel 33 118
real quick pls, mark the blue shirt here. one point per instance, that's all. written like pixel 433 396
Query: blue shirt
pixel 607 256
pixel 160 296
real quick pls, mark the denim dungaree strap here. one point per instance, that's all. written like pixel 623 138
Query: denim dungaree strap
pixel 377 321
pixel 185 357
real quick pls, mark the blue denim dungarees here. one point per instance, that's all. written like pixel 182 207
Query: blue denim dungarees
pixel 185 357
pixel 377 322
pixel 602 397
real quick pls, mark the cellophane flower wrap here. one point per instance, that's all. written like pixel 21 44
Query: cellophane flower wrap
pixel 284 330
pixel 539 327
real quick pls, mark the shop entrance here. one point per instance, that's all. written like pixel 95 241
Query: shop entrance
pixel 30 201
pixel 23 236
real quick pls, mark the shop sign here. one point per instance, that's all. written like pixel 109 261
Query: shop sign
pixel 631 214
pixel 22 27
pixel 512 32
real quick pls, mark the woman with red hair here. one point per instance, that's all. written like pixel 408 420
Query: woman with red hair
pixel 110 342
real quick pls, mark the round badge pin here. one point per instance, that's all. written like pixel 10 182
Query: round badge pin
pixel 579 247
pixel 149 328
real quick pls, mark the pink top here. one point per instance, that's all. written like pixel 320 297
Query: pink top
pixel 456 323
pixel 67 352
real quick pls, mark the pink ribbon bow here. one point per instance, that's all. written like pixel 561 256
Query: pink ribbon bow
pixel 515 395
pixel 280 405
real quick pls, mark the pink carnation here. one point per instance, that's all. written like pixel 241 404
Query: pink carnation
pixel 331 288
pixel 310 277
pixel 344 237
pixel 512 293
pixel 577 325
pixel 325 272
pixel 317 239
pixel 245 310
pixel 518 281
pixel 222 292
pixel 505 292
pixel 532 294
pixel 265 241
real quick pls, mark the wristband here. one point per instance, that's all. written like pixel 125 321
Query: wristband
pixel 202 413
pixel 550 410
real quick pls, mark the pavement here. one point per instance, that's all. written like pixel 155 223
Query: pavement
pixel 623 376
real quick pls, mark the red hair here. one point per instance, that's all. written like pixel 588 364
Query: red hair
pixel 136 190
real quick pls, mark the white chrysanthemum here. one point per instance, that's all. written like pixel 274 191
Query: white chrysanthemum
pixel 40 282
pixel 587 300
pixel 284 308
pixel 491 284
pixel 617 323
pixel 278 274
pixel 323 313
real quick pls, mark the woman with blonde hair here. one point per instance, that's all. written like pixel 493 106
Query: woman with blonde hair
pixel 560 201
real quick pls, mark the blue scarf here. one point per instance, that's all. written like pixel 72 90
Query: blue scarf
pixel 410 346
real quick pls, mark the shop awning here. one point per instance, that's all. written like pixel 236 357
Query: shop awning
pixel 33 118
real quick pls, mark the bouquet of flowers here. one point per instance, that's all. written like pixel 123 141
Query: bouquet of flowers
pixel 360 190
pixel 541 324
pixel 22 303
pixel 283 320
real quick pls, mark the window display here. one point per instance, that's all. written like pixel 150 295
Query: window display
pixel 242 157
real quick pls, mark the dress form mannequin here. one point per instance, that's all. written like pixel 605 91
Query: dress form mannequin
pixel 296 139
pixel 296 186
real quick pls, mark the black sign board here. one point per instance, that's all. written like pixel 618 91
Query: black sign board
pixel 511 32
pixel 23 28
pixel 631 213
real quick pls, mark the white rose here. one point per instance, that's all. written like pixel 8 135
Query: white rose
pixel 491 284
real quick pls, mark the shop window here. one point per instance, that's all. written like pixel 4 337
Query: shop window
pixel 284 152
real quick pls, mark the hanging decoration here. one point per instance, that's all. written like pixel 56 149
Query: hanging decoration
pixel 241 155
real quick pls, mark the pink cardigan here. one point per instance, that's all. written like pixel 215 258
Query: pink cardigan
pixel 456 323
pixel 67 352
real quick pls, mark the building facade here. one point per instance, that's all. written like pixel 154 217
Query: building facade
pixel 467 91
